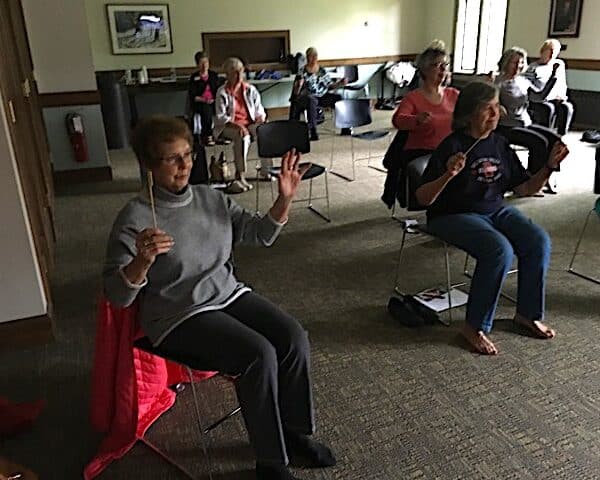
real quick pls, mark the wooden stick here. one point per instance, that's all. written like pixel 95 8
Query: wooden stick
pixel 151 193
pixel 473 146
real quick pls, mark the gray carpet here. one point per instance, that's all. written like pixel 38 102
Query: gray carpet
pixel 394 403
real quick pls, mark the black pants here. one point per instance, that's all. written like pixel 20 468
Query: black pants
pixel 537 139
pixel 310 103
pixel 553 114
pixel 206 112
pixel 269 350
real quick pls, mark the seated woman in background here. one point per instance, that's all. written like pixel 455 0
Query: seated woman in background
pixel 556 110
pixel 312 89
pixel 202 93
pixel 426 113
pixel 464 186
pixel 193 308
pixel 238 112
pixel 516 91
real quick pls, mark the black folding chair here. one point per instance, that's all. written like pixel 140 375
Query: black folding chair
pixel 276 138
pixel 352 114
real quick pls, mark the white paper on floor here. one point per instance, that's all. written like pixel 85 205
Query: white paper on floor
pixel 437 299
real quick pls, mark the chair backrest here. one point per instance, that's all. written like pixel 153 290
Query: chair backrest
pixel 352 113
pixel 350 73
pixel 414 179
pixel 276 138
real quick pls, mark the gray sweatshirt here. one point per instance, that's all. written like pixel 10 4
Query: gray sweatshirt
pixel 196 275
pixel 515 95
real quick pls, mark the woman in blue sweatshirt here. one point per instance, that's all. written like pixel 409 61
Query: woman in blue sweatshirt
pixel 463 188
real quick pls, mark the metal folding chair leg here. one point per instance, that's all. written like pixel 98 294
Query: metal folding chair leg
pixel 199 422
pixel 338 174
pixel 449 285
pixel 570 269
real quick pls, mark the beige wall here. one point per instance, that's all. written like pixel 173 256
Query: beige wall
pixel 439 23
pixel 21 291
pixel 527 27
pixel 60 45
pixel 336 27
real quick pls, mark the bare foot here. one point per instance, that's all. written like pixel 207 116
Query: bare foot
pixel 539 329
pixel 479 341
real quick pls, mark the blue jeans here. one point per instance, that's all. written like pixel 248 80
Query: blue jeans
pixel 493 239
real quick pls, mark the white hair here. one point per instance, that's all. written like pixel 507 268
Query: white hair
pixel 233 64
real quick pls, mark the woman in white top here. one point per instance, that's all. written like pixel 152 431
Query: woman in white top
pixel 238 112
pixel 516 91
pixel 556 110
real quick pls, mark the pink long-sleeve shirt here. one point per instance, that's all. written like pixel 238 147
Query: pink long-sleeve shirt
pixel 428 135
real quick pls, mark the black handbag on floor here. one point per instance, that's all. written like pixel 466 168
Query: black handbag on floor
pixel 409 312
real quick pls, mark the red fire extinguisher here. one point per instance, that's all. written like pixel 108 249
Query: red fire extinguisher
pixel 77 136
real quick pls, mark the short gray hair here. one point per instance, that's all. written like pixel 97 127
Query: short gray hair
pixel 436 49
pixel 507 57
pixel 233 63
pixel 470 99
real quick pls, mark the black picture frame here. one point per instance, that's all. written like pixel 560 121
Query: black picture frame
pixel 565 18
pixel 139 28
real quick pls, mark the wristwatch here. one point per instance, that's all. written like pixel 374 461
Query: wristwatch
pixel 553 169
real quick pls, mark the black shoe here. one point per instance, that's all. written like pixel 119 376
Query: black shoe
pixel 273 472
pixel 346 132
pixel 306 452
pixel 314 136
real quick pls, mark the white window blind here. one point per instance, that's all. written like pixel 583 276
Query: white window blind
pixel 479 35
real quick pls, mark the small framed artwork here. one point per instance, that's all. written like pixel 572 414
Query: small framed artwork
pixel 139 28
pixel 565 18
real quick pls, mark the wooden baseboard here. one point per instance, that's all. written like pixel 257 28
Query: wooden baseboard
pixel 82 175
pixel 26 332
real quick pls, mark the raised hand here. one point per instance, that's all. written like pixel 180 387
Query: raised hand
pixel 456 163
pixel 557 154
pixel 291 174
pixel 151 242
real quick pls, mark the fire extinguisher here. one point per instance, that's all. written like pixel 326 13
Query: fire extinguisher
pixel 77 136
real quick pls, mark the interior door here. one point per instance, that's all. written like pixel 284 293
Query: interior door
pixel 27 132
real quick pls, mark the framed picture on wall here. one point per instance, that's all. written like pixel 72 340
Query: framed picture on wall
pixel 139 28
pixel 565 18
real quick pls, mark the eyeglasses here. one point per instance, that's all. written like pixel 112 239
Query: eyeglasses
pixel 443 65
pixel 185 157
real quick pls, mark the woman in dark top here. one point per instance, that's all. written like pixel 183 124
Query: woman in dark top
pixel 204 84
pixel 313 88
pixel 464 194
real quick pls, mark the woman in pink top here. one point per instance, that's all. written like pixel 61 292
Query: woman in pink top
pixel 425 113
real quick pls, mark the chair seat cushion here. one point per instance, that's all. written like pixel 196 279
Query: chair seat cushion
pixel 314 171
pixel 371 135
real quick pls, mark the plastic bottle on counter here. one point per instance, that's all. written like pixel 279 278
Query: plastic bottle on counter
pixel 143 76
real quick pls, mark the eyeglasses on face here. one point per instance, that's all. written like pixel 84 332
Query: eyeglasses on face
pixel 185 157
pixel 443 65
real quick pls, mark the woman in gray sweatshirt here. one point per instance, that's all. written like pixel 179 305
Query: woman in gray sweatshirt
pixel 193 308
pixel 516 91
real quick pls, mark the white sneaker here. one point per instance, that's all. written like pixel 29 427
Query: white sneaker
pixel 246 185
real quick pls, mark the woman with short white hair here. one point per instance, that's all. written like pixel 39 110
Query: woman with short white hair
pixel 516 91
pixel 238 112
pixel 556 110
